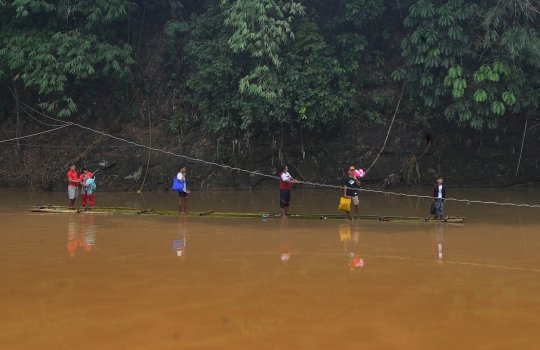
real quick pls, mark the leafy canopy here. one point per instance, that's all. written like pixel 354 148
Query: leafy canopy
pixel 53 47
pixel 473 73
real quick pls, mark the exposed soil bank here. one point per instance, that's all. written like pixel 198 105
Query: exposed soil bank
pixel 413 156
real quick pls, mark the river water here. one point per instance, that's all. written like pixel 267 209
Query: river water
pixel 74 281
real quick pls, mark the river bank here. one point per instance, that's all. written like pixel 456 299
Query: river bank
pixel 413 156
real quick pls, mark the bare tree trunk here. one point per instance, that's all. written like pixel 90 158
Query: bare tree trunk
pixel 173 10
pixel 281 149
pixel 140 32
pixel 302 143
pixel 522 142
pixel 18 113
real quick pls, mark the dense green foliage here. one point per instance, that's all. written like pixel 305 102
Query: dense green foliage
pixel 473 61
pixel 273 66
pixel 54 48
pixel 284 66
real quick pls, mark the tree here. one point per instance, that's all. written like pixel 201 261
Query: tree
pixel 261 26
pixel 468 72
pixel 53 49
pixel 304 86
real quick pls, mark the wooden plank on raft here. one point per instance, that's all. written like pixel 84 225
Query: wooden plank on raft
pixel 211 213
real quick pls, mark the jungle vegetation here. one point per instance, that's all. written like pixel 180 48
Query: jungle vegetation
pixel 243 67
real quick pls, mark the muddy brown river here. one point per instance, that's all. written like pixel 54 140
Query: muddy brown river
pixel 74 281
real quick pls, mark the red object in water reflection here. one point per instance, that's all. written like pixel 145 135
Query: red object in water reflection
pixel 81 235
pixel 356 262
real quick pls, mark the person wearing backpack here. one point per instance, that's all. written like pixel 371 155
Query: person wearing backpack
pixel 88 186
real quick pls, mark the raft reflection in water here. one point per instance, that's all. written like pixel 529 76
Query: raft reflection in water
pixel 81 234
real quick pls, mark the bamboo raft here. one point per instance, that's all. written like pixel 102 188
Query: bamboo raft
pixel 138 211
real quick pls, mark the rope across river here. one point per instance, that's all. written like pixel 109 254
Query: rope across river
pixel 66 124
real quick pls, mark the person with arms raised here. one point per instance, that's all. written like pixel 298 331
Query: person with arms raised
pixel 350 189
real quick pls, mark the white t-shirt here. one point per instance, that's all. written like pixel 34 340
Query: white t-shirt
pixel 440 191
pixel 285 176
pixel 181 178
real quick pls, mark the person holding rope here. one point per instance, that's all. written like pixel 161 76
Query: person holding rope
pixel 438 195
pixel 285 184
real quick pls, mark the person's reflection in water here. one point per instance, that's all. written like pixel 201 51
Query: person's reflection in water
pixel 345 235
pixel 355 257
pixel 81 236
pixel 89 229
pixel 437 240
pixel 284 243
pixel 179 245
pixel 72 237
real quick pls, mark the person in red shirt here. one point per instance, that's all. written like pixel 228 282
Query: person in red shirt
pixel 73 183
pixel 84 194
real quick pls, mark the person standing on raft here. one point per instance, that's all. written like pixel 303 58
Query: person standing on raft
pixel 73 184
pixel 182 195
pixel 87 192
pixel 438 195
pixel 350 189
pixel 285 184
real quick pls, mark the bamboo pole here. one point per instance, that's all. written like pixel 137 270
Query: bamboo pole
pixel 211 213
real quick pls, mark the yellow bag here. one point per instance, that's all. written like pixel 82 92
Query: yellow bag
pixel 344 204
pixel 345 232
